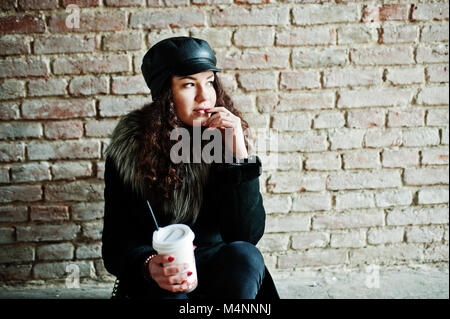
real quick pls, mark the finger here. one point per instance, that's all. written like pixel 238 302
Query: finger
pixel 217 109
pixel 175 288
pixel 221 123
pixel 172 270
pixel 162 259
pixel 211 118
pixel 177 279
pixel 217 120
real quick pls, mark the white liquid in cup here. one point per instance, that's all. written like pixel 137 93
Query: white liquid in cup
pixel 177 241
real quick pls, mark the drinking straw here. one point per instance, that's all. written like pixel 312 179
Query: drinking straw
pixel 154 219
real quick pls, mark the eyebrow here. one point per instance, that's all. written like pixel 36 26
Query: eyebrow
pixel 192 78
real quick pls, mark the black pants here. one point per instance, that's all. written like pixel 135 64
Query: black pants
pixel 235 272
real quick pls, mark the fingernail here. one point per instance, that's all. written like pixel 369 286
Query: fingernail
pixel 195 247
pixel 184 281
pixel 189 273
pixel 171 259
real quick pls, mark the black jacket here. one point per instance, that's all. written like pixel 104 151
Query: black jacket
pixel 232 210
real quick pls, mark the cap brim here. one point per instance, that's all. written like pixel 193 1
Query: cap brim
pixel 194 68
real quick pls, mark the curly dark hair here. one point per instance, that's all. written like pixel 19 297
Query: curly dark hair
pixel 156 167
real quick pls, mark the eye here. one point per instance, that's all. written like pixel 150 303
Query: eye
pixel 189 84
pixel 211 82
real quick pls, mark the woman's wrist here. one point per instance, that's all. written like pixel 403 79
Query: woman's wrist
pixel 146 268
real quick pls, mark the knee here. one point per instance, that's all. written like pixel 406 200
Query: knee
pixel 245 254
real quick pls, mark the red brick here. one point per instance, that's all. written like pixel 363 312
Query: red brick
pixel 64 44
pixel 55 252
pixel 93 230
pixel 432 53
pixel 103 128
pixel 239 16
pixel 180 18
pixel 49 213
pixel 71 170
pixel 12 45
pixel 253 59
pixel 88 85
pixel 116 106
pixel 9 111
pixel 430 11
pixel 365 118
pixel 6 235
pixel 84 65
pixel 38 4
pixel 81 3
pixel 87 211
pixel 46 87
pixel 386 12
pixel 407 118
pixel 14 253
pixel 89 21
pixel 11 89
pixel 325 13
pixel 8 4
pixel 23 68
pixel 129 85
pixel 124 3
pixel 58 109
pixel 4 175
pixel 24 193
pixel 89 251
pixel 12 152
pixel 382 55
pixel 10 214
pixel 15 130
pixel 74 191
pixel 63 130
pixel 64 150
pixel 39 233
pixel 123 41
pixel 306 36
pixel 15 272
pixel 302 79
pixel 22 24
pixel 30 172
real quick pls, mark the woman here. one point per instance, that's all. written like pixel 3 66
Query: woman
pixel 220 201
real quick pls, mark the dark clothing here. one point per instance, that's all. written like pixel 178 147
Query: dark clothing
pixel 232 211
pixel 235 272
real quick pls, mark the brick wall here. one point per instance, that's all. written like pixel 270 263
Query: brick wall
pixel 353 93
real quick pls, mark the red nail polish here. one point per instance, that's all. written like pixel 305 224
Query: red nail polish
pixel 189 273
pixel 171 259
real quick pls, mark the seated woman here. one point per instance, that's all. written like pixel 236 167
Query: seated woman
pixel 220 201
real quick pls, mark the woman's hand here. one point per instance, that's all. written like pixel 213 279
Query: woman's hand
pixel 170 277
pixel 224 119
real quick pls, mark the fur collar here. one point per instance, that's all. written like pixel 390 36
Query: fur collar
pixel 185 202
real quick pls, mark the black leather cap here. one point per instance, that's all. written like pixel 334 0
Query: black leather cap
pixel 176 56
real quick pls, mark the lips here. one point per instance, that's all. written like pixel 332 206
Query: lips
pixel 202 110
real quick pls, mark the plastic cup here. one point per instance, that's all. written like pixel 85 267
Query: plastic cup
pixel 177 241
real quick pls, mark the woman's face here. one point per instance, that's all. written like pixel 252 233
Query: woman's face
pixel 193 94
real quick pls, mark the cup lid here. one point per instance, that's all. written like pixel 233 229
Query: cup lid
pixel 172 234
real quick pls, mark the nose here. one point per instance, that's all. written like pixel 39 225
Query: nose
pixel 202 94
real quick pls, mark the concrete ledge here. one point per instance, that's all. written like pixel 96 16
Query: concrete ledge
pixel 421 282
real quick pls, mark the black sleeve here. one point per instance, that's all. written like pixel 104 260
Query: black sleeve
pixel 126 237
pixel 239 201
